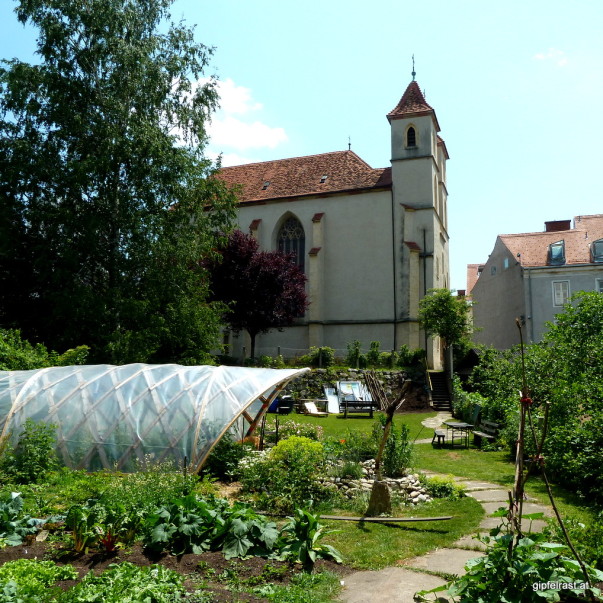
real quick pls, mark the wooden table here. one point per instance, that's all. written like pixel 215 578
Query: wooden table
pixel 463 430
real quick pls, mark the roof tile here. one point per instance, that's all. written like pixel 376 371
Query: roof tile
pixel 300 176
pixel 531 248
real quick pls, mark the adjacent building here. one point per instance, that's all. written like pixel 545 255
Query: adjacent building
pixel 532 276
pixel 371 241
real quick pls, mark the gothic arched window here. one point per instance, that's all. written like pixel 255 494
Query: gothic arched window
pixel 291 239
pixel 411 137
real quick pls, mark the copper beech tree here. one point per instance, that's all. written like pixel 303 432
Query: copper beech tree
pixel 263 290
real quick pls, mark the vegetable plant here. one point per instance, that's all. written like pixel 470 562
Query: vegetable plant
pixel 301 536
pixel 14 525
pixel 31 581
pixel 128 583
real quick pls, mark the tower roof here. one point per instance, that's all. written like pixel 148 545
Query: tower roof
pixel 412 104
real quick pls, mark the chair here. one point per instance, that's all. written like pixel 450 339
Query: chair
pixel 311 410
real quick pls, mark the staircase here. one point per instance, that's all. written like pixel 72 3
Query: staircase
pixel 439 392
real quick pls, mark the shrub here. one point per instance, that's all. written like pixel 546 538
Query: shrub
pixel 290 428
pixel 322 357
pixel 288 475
pixel 586 537
pixel 408 358
pixel 34 456
pixel 388 359
pixel 397 455
pixel 443 486
pixel 356 446
pixel 354 358
pixel 223 462
pixel 373 357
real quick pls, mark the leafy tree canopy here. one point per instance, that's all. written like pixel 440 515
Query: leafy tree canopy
pixel 445 315
pixel 263 290
pixel 106 199
pixel 565 370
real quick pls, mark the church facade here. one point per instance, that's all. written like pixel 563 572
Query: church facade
pixel 371 242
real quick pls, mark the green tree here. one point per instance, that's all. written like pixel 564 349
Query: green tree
pixel 106 199
pixel 445 315
pixel 565 370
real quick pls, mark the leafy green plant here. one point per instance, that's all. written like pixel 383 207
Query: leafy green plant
pixel 185 525
pixel 349 469
pixel 128 583
pixel 397 456
pixel 31 581
pixel 223 462
pixel 586 536
pixel 82 521
pixel 443 486
pixel 288 475
pixel 500 577
pixel 247 533
pixel 322 357
pixel 14 525
pixel 193 525
pixel 34 455
pixel 301 540
pixel 354 357
pixel 373 356
pixel 289 427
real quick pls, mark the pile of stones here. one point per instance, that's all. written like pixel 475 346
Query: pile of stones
pixel 408 487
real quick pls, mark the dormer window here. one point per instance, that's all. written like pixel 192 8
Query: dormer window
pixel 596 250
pixel 266 185
pixel 411 137
pixel 557 253
pixel 324 179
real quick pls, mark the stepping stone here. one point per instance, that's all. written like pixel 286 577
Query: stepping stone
pixel 389 585
pixel 491 522
pixel 472 486
pixel 490 495
pixel 491 507
pixel 450 561
pixel 470 542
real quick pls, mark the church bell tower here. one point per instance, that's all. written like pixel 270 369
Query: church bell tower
pixel 419 210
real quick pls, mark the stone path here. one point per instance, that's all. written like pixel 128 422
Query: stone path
pixel 398 584
pixel 433 423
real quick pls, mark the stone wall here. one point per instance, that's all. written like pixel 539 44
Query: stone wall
pixel 311 385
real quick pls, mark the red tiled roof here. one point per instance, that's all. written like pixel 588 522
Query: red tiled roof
pixel 412 103
pixel 473 272
pixel 533 247
pixel 300 176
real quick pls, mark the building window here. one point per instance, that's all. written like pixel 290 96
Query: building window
pixel 506 263
pixel 492 270
pixel 291 239
pixel 599 285
pixel 596 250
pixel 560 293
pixel 411 137
pixel 557 253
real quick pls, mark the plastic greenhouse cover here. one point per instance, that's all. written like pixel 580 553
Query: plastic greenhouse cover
pixel 123 416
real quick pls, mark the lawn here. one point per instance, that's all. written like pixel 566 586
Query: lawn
pixel 337 427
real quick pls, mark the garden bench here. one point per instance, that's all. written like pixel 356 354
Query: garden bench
pixel 350 404
pixel 441 435
pixel 487 430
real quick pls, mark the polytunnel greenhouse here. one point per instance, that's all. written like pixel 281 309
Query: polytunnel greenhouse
pixel 120 417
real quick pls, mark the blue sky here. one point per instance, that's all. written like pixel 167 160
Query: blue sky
pixel 517 87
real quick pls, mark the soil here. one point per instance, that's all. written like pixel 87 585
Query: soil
pixel 206 568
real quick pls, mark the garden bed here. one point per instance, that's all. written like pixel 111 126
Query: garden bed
pixel 221 579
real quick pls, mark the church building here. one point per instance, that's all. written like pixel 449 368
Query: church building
pixel 371 241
